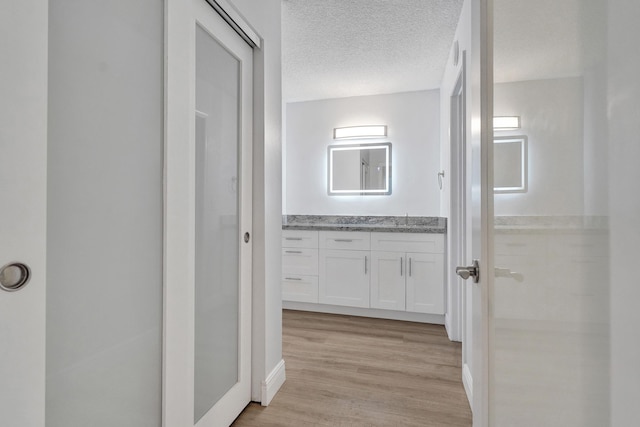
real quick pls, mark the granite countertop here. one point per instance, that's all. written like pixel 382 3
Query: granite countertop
pixel 394 224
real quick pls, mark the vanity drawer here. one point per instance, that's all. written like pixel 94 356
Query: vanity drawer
pixel 299 239
pixel 347 240
pixel 300 261
pixel 300 288
pixel 408 242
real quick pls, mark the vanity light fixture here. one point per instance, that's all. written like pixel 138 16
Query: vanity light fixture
pixel 369 131
pixel 506 122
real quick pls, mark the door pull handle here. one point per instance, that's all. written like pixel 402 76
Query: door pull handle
pixel 470 271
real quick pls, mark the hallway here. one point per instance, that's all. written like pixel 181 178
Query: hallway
pixel 355 371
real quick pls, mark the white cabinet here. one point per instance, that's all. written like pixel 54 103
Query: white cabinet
pixel 300 266
pixel 344 268
pixel 425 283
pixel 407 272
pixel 403 272
pixel 388 280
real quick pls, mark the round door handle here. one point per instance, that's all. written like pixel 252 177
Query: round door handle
pixel 14 276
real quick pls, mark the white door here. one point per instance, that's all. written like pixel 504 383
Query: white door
pixel 209 165
pixel 23 189
pixel 478 225
pixel 540 337
pixel 81 189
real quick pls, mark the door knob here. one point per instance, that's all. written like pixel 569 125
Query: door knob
pixel 470 271
pixel 14 276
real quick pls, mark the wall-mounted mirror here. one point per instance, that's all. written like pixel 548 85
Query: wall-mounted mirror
pixel 510 164
pixel 363 169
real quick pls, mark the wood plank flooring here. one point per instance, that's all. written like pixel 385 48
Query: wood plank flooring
pixel 354 371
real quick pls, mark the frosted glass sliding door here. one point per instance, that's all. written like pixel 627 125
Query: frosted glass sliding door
pixel 222 306
pixel 217 243
pixel 104 215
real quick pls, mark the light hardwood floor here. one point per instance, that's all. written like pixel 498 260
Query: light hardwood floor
pixel 353 371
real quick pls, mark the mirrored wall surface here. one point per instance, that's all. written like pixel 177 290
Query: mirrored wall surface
pixel 549 319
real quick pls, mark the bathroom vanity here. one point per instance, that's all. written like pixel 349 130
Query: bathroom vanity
pixel 390 267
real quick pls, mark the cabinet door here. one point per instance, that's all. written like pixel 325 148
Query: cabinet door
pixel 425 283
pixel 388 271
pixel 344 278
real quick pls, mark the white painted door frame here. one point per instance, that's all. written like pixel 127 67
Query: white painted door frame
pixel 481 209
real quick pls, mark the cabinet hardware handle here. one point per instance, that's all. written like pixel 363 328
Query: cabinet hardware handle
pixel 293 252
pixel 409 267
pixel 365 264
pixel 344 240
pixel 293 238
pixel 292 278
pixel 401 262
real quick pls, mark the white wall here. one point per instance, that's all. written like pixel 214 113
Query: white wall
pixel 413 120
pixel 264 16
pixel 555 145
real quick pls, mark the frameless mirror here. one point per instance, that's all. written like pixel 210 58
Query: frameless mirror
pixel 363 169
pixel 510 164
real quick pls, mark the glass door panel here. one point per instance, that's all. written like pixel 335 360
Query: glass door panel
pixel 549 311
pixel 104 215
pixel 217 230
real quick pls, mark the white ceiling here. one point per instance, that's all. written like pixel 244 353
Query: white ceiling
pixel 341 48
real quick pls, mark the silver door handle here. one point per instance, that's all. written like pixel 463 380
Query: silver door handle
pixel 292 278
pixel 365 264
pixel 470 271
pixel 293 238
pixel 409 267
pixel 344 240
pixel 401 262
pixel 292 252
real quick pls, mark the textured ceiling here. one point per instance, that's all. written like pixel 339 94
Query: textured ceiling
pixel 341 48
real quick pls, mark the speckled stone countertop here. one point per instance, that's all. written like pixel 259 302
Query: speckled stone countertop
pixel 550 223
pixel 395 224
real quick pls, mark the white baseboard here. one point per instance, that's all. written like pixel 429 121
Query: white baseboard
pixel 467 382
pixel 437 319
pixel 272 383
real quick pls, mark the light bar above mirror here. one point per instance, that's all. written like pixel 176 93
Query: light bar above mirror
pixel 369 131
